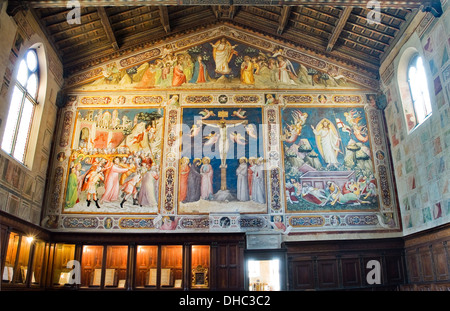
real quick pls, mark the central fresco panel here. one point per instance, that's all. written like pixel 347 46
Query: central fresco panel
pixel 221 131
pixel 222 161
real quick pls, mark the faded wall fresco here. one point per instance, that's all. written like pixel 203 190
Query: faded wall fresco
pixel 421 154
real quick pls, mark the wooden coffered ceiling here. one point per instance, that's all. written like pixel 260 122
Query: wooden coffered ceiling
pixel 340 29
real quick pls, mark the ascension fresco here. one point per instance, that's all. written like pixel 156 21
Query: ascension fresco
pixel 115 162
pixel 220 64
pixel 328 160
pixel 222 164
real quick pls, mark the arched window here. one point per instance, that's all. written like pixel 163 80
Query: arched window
pixel 418 86
pixel 22 106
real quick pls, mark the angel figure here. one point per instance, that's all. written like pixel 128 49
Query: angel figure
pixel 207 113
pixel 295 128
pixel 195 129
pixel 237 138
pixel 251 131
pixel 360 131
pixel 240 113
pixel 211 139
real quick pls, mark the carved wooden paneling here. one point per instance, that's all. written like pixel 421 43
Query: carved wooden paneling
pixel 351 272
pixel 327 270
pixel 412 261
pixel 426 264
pixel 343 264
pixel 229 269
pixel 301 274
pixel 427 258
pixel 395 270
pixel 441 262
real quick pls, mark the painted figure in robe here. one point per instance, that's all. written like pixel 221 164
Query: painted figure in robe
pixel 112 187
pixel 206 172
pixel 328 141
pixel 247 70
pixel 242 180
pixel 178 75
pixel 194 182
pixel 258 188
pixel 147 193
pixel 184 175
pixel 223 51
pixel 72 186
pixel 200 74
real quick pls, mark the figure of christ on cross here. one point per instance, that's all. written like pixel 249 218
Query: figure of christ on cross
pixel 223 141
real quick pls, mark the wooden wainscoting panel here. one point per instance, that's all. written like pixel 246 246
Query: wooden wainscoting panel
pixel 441 262
pixel 351 272
pixel 426 264
pixel 395 273
pixel 302 274
pixel 412 263
pixel 327 270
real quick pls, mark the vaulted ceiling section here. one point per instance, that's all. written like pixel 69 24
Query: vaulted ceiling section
pixel 339 29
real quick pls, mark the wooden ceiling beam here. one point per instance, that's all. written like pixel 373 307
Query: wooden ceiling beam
pixel 328 24
pixel 75 48
pixel 107 27
pixel 50 16
pixel 164 17
pixel 87 35
pixel 366 20
pixel 284 18
pixel 402 4
pixel 353 34
pixel 139 18
pixel 82 54
pixel 223 12
pixel 51 40
pixel 359 26
pixel 131 12
pixel 345 14
pixel 75 29
pixel 84 18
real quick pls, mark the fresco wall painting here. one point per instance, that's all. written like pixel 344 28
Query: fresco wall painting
pixel 223 154
pixel 220 131
pixel 115 162
pixel 220 64
pixel 327 159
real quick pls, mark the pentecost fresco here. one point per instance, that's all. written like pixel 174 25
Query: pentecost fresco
pixel 328 161
pixel 222 164
pixel 220 64
pixel 115 162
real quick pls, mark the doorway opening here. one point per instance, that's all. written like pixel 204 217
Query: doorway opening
pixel 264 275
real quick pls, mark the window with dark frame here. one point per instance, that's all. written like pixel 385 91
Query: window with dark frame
pixel 21 107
